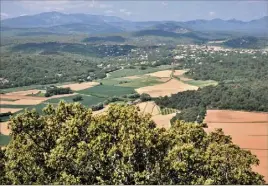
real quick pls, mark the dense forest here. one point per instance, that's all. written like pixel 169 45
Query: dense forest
pixel 232 66
pixel 105 39
pixel 76 48
pixel 22 69
pixel 246 42
pixel 223 96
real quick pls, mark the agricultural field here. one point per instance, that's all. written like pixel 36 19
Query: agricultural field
pixel 247 129
pixel 4 139
pixel 136 71
pixel 106 91
pixel 149 107
pixel 138 81
pixel 166 89
pixel 161 119
pixel 87 100
pixel 166 111
pixel 80 86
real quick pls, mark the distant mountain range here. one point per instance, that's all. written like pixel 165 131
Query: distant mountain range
pixel 56 22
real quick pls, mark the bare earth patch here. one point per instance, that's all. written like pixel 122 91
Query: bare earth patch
pixel 163 121
pixel 12 110
pixel 179 72
pixel 164 79
pixel 149 107
pixel 29 100
pixel 166 89
pixel 230 116
pixel 132 77
pixel 183 78
pixel 161 74
pixel 80 86
pixel 249 130
pixel 4 128
pixel 24 93
pixel 22 100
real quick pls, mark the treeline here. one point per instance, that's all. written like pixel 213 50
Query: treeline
pixel 105 39
pixel 82 49
pixel 246 42
pixel 23 69
pixel 229 67
pixel 57 91
pixel 223 96
pixel 4 115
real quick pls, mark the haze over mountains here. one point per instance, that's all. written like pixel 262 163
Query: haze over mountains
pixel 67 23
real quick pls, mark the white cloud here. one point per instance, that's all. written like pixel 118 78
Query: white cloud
pixel 211 13
pixel 122 10
pixel 105 6
pixel 4 15
pixel 164 3
pixel 128 13
pixel 125 11
pixel 109 12
pixel 62 5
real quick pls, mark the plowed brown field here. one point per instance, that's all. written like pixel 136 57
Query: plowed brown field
pixel 163 121
pixel 4 128
pixel 179 72
pixel 149 107
pixel 249 130
pixel 166 89
pixel 161 74
pixel 12 110
pixel 24 93
pixel 80 86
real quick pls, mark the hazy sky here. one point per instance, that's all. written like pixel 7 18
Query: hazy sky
pixel 142 10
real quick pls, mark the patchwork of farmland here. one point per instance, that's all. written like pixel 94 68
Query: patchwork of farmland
pixel 161 120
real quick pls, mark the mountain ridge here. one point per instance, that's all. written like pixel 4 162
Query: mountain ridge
pixel 54 19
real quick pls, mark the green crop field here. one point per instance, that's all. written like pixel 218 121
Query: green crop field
pixel 201 83
pixel 87 100
pixel 137 71
pixel 142 82
pixel 166 111
pixel 112 81
pixel 106 91
pixel 4 139
pixel 14 106
pixel 135 83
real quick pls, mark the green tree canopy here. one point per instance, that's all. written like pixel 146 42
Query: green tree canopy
pixel 69 145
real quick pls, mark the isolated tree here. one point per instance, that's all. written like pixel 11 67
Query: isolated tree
pixel 145 97
pixel 68 145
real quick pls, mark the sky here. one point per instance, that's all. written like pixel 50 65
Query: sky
pixel 140 10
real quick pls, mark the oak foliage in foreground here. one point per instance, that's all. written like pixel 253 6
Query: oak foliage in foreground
pixel 68 145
